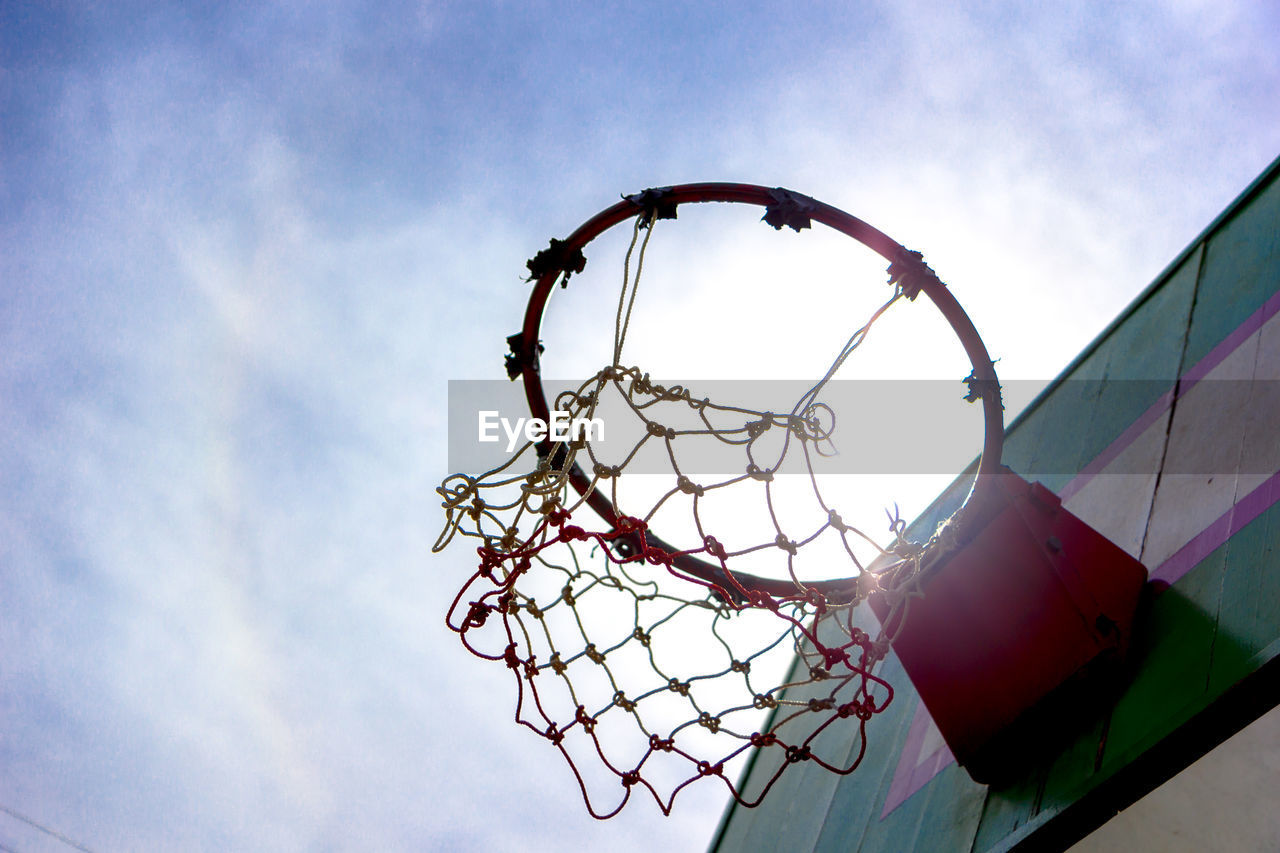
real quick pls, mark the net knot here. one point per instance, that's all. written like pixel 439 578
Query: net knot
pixel 706 768
pixel 832 657
pixel 713 546
pixel 834 519
pixel 675 685
pixel 817 600
pixel 620 699
pixel 553 734
pixel 640 384
pixel 689 487
pixel 760 740
pixel 740 666
pixel 629 524
pixel 557 516
pixel 661 744
pixel 796 754
pixel 489 560
pixel 656 556
pixel 567 595
pixel 785 544
pixel 594 654
pixel 641 635
pixel 659 431
pixel 862 711
pixel 512 659
pixel 762 701
pixel 571 401
pixel 709 722
pixel 587 721
pixel 755 472
pixel 816 424
pixel 476 616
pixel 816 705
pixel 557 665
pixel 604 471
pixel 631 777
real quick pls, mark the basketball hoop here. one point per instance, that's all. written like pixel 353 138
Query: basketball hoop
pixel 660 692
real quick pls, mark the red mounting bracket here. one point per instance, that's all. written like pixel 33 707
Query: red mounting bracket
pixel 1031 602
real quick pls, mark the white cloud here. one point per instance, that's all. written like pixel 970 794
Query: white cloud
pixel 255 262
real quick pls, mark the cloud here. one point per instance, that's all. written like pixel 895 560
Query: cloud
pixel 243 253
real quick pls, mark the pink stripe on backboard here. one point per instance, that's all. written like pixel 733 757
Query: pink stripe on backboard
pixel 1115 448
pixel 1219 531
pixel 1232 342
pixel 1186 382
pixel 912 775
pixel 915 770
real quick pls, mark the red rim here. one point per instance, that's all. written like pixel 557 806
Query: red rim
pixel 983 380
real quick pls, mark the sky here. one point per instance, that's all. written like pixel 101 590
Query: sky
pixel 245 247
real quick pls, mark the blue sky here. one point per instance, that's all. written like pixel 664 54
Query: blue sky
pixel 244 248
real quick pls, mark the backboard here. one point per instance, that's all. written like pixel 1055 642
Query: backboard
pixel 1161 435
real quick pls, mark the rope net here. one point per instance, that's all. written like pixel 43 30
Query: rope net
pixel 650 665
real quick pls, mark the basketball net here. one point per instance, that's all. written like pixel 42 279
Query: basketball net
pixel 643 663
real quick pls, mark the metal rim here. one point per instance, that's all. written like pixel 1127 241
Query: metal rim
pixel 795 210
